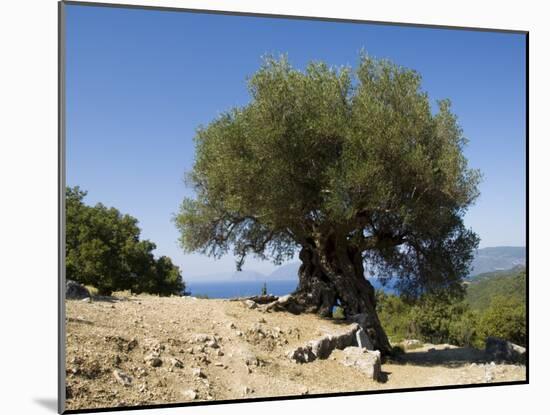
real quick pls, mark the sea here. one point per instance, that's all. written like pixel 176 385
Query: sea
pixel 231 289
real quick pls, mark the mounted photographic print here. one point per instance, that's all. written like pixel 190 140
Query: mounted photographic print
pixel 260 207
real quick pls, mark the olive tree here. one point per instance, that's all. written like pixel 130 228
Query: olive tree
pixel 349 168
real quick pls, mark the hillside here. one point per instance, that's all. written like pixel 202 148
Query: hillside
pixel 497 258
pixel 484 287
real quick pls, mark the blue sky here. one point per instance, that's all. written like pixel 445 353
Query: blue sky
pixel 140 82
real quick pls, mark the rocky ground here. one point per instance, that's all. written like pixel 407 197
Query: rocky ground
pixel 144 350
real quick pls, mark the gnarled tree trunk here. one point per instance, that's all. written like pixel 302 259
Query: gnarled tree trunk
pixel 332 272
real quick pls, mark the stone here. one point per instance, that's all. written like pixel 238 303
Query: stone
pixel 153 360
pixel 202 338
pixel 212 344
pixel 175 362
pixel 247 391
pixel 197 372
pixel 363 339
pixel 366 361
pixel 189 394
pixel 251 360
pixel 231 326
pixel 256 329
pixel 284 299
pixel 250 304
pixel 75 291
pixel 411 342
pixel 346 339
pixel 131 345
pixel 323 347
pixel 503 350
pixel 122 377
pixel 302 355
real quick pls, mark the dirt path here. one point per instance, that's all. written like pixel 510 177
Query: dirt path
pixel 149 350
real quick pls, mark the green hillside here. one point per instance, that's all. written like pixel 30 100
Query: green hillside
pixel 495 305
pixel 510 284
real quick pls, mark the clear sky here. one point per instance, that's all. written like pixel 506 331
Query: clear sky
pixel 139 83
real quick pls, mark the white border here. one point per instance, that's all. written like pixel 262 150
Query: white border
pixel 28 220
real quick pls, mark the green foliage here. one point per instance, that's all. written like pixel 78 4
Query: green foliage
pixel 103 249
pixel 92 290
pixel 395 315
pixel 510 284
pixel 505 318
pixel 264 289
pixel 355 154
pixel 431 319
pixel 338 313
pixel 438 319
pixel 445 319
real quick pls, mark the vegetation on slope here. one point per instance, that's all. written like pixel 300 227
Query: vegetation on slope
pixel 494 305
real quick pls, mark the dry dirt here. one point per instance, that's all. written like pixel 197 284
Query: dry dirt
pixel 147 350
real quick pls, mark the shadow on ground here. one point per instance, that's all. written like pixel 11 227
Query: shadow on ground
pixel 450 357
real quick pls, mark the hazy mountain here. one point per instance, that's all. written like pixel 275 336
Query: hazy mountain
pixel 494 274
pixel 248 276
pixel 486 260
pixel 285 272
pixel 498 258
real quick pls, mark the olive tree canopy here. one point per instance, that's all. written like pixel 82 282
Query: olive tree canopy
pixel 348 167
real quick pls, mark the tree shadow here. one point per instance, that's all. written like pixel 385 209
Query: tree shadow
pixel 448 357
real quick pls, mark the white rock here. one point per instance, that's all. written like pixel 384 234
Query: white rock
pixel 198 372
pixel 189 394
pixel 122 377
pixel 363 340
pixel 250 304
pixel 364 360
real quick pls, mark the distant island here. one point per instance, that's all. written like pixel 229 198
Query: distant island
pixel 490 259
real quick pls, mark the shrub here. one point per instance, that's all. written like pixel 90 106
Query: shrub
pixel 338 313
pixel 394 314
pixel 505 318
pixel 92 290
pixel 103 249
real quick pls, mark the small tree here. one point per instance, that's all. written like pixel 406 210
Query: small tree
pixel 264 289
pixel 348 168
pixel 103 249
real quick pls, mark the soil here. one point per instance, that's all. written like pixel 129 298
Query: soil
pixel 146 350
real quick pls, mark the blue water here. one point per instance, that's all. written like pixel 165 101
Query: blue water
pixel 229 289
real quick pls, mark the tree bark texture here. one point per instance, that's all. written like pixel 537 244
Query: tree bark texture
pixel 333 272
